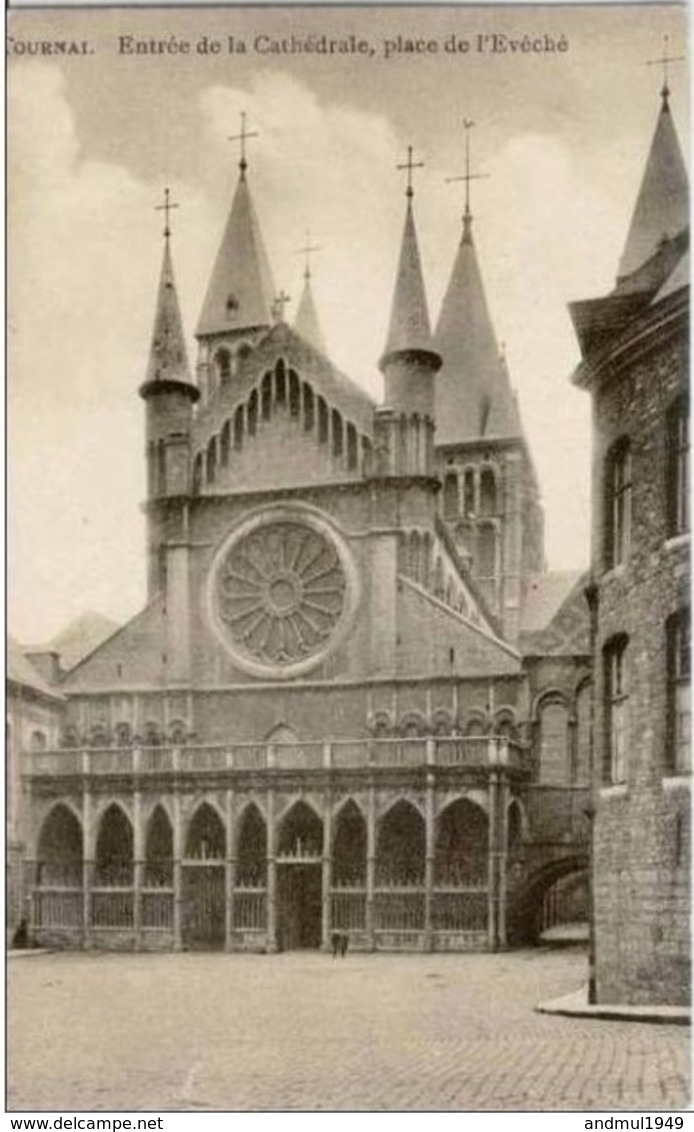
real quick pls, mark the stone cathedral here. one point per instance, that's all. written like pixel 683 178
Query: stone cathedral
pixel 355 700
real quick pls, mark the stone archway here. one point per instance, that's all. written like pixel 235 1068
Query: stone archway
pixel 299 879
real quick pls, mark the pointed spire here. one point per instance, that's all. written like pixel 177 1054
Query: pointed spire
pixel 662 206
pixel 168 357
pixel 306 322
pixel 473 390
pixel 409 328
pixel 240 292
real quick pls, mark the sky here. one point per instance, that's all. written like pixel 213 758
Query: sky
pixel 562 137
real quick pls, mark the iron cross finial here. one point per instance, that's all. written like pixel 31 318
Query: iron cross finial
pixel 167 208
pixel 307 249
pixel 663 61
pixel 467 176
pixel 410 165
pixel 243 137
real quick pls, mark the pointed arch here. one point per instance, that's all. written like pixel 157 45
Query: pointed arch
pixel 488 492
pixel 400 845
pixel 461 845
pixel 60 851
pixel 294 394
pixel 337 430
pixel 515 831
pixel 352 446
pixel 309 408
pixel 281 733
pixel 252 413
pixel 114 857
pixel 222 364
pixel 251 849
pixel 266 397
pixel 300 832
pixel 159 850
pixel 238 428
pixel 349 846
pixel 553 741
pixel 469 493
pixel 323 422
pixel 280 382
pixel 206 836
pixel 211 460
pixel 225 444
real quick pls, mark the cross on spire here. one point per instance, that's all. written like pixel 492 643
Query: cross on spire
pixel 467 176
pixel 167 208
pixel 410 165
pixel 243 137
pixel 279 304
pixel 663 61
pixel 306 250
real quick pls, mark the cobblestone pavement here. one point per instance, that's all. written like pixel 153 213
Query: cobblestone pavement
pixel 304 1031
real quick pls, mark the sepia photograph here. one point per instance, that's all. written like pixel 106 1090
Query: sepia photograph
pixel 348 759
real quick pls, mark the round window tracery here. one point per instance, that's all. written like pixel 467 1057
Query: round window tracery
pixel 281 594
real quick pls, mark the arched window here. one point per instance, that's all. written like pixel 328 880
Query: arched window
pixel 486 551
pixel 488 505
pixel 309 408
pixel 178 733
pixel 238 428
pixel 678 710
pixel 197 474
pixel 461 849
pixel 159 850
pixel 38 741
pixel 322 421
pixel 582 760
pixel 151 737
pixel 59 856
pixel 294 394
pixel 338 442
pixel 678 467
pixel 366 456
pixel 225 444
pixel 253 413
pixel 469 493
pixel 98 737
pixel 266 397
pixel 280 383
pixel 211 460
pixel 554 744
pixel 450 495
pixel 349 847
pixel 161 468
pixel 400 846
pixel 206 840
pixel 352 447
pixel 617 518
pixel 222 361
pixel 300 833
pixel 616 709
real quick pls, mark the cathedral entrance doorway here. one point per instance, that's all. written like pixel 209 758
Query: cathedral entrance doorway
pixel 299 906
pixel 299 878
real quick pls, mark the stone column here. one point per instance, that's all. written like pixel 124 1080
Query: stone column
pixel 429 862
pixel 88 860
pixel 138 859
pixel 502 821
pixel 230 872
pixel 492 887
pixel 271 872
pixel 177 873
pixel 327 867
pixel 370 866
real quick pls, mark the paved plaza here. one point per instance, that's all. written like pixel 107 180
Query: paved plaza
pixel 303 1031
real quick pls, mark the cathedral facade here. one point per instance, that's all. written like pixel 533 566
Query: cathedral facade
pixel 355 701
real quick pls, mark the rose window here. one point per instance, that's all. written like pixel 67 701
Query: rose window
pixel 280 593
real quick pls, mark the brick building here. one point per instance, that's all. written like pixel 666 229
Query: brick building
pixel 354 700
pixel 635 364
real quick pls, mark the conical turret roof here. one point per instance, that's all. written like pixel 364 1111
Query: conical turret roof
pixel 473 390
pixel 240 292
pixel 168 357
pixel 409 328
pixel 306 322
pixel 662 206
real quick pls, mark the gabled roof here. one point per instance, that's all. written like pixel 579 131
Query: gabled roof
pixel 409 327
pixel 81 637
pixel 241 291
pixel 662 205
pixel 473 390
pixel 21 672
pixel 554 616
pixel 543 597
pixel 306 323
pixel 168 357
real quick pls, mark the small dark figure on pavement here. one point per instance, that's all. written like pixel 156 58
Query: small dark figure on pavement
pixel 340 942
pixel 20 939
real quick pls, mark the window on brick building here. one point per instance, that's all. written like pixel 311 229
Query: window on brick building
pixel 616 711
pixel 678 468
pixel 678 646
pixel 617 503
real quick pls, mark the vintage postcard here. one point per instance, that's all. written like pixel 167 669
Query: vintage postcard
pixel 348 679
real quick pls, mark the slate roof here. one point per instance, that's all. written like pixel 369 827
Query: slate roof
pixel 409 327
pixel 306 323
pixel 21 672
pixel 168 357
